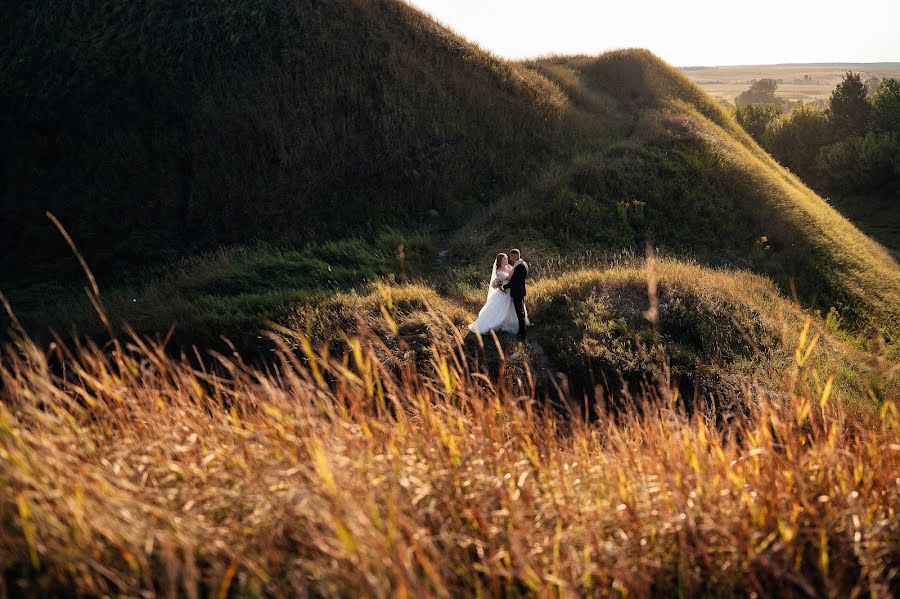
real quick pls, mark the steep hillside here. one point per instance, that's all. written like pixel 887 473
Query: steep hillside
pixel 153 128
pixel 688 179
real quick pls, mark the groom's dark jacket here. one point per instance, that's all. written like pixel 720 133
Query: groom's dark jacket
pixel 516 284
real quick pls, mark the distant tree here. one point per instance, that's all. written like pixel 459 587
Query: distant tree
pixel 850 106
pixel 761 91
pixel 755 118
pixel 886 106
pixel 796 137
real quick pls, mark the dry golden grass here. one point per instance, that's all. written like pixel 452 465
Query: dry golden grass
pixel 127 471
pixel 414 308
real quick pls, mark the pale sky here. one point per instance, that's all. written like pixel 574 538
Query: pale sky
pixel 682 32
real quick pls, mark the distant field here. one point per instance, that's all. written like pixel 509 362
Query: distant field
pixel 807 82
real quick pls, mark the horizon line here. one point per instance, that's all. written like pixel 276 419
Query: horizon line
pixel 793 64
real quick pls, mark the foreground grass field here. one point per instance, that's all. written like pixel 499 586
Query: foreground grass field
pixel 127 471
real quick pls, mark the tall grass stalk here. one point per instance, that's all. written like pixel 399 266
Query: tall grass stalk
pixel 128 471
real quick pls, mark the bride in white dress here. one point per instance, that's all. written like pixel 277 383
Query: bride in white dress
pixel 498 312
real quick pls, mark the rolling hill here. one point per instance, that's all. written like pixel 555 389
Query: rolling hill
pixel 157 130
pixel 690 180
pixel 154 129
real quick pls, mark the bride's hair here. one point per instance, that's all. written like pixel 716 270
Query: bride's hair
pixel 497 261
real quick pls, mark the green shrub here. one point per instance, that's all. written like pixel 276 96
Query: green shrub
pixel 795 138
pixel 860 164
pixel 755 118
pixel 886 106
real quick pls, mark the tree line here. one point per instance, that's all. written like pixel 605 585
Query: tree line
pixel 849 147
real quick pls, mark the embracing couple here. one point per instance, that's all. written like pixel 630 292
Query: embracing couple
pixel 505 306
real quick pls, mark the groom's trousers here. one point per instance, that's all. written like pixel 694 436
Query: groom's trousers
pixel 519 304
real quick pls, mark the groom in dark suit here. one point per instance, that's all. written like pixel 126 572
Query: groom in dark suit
pixel 516 288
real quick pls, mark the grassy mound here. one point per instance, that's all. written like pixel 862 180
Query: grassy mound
pixel 715 332
pixel 232 292
pixel 408 319
pixel 711 331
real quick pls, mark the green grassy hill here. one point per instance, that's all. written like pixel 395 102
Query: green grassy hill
pixel 688 179
pixel 715 331
pixel 155 130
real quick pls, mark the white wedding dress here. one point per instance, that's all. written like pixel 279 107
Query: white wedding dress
pixel 498 313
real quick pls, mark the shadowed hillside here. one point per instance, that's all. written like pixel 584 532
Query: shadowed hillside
pixel 153 128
